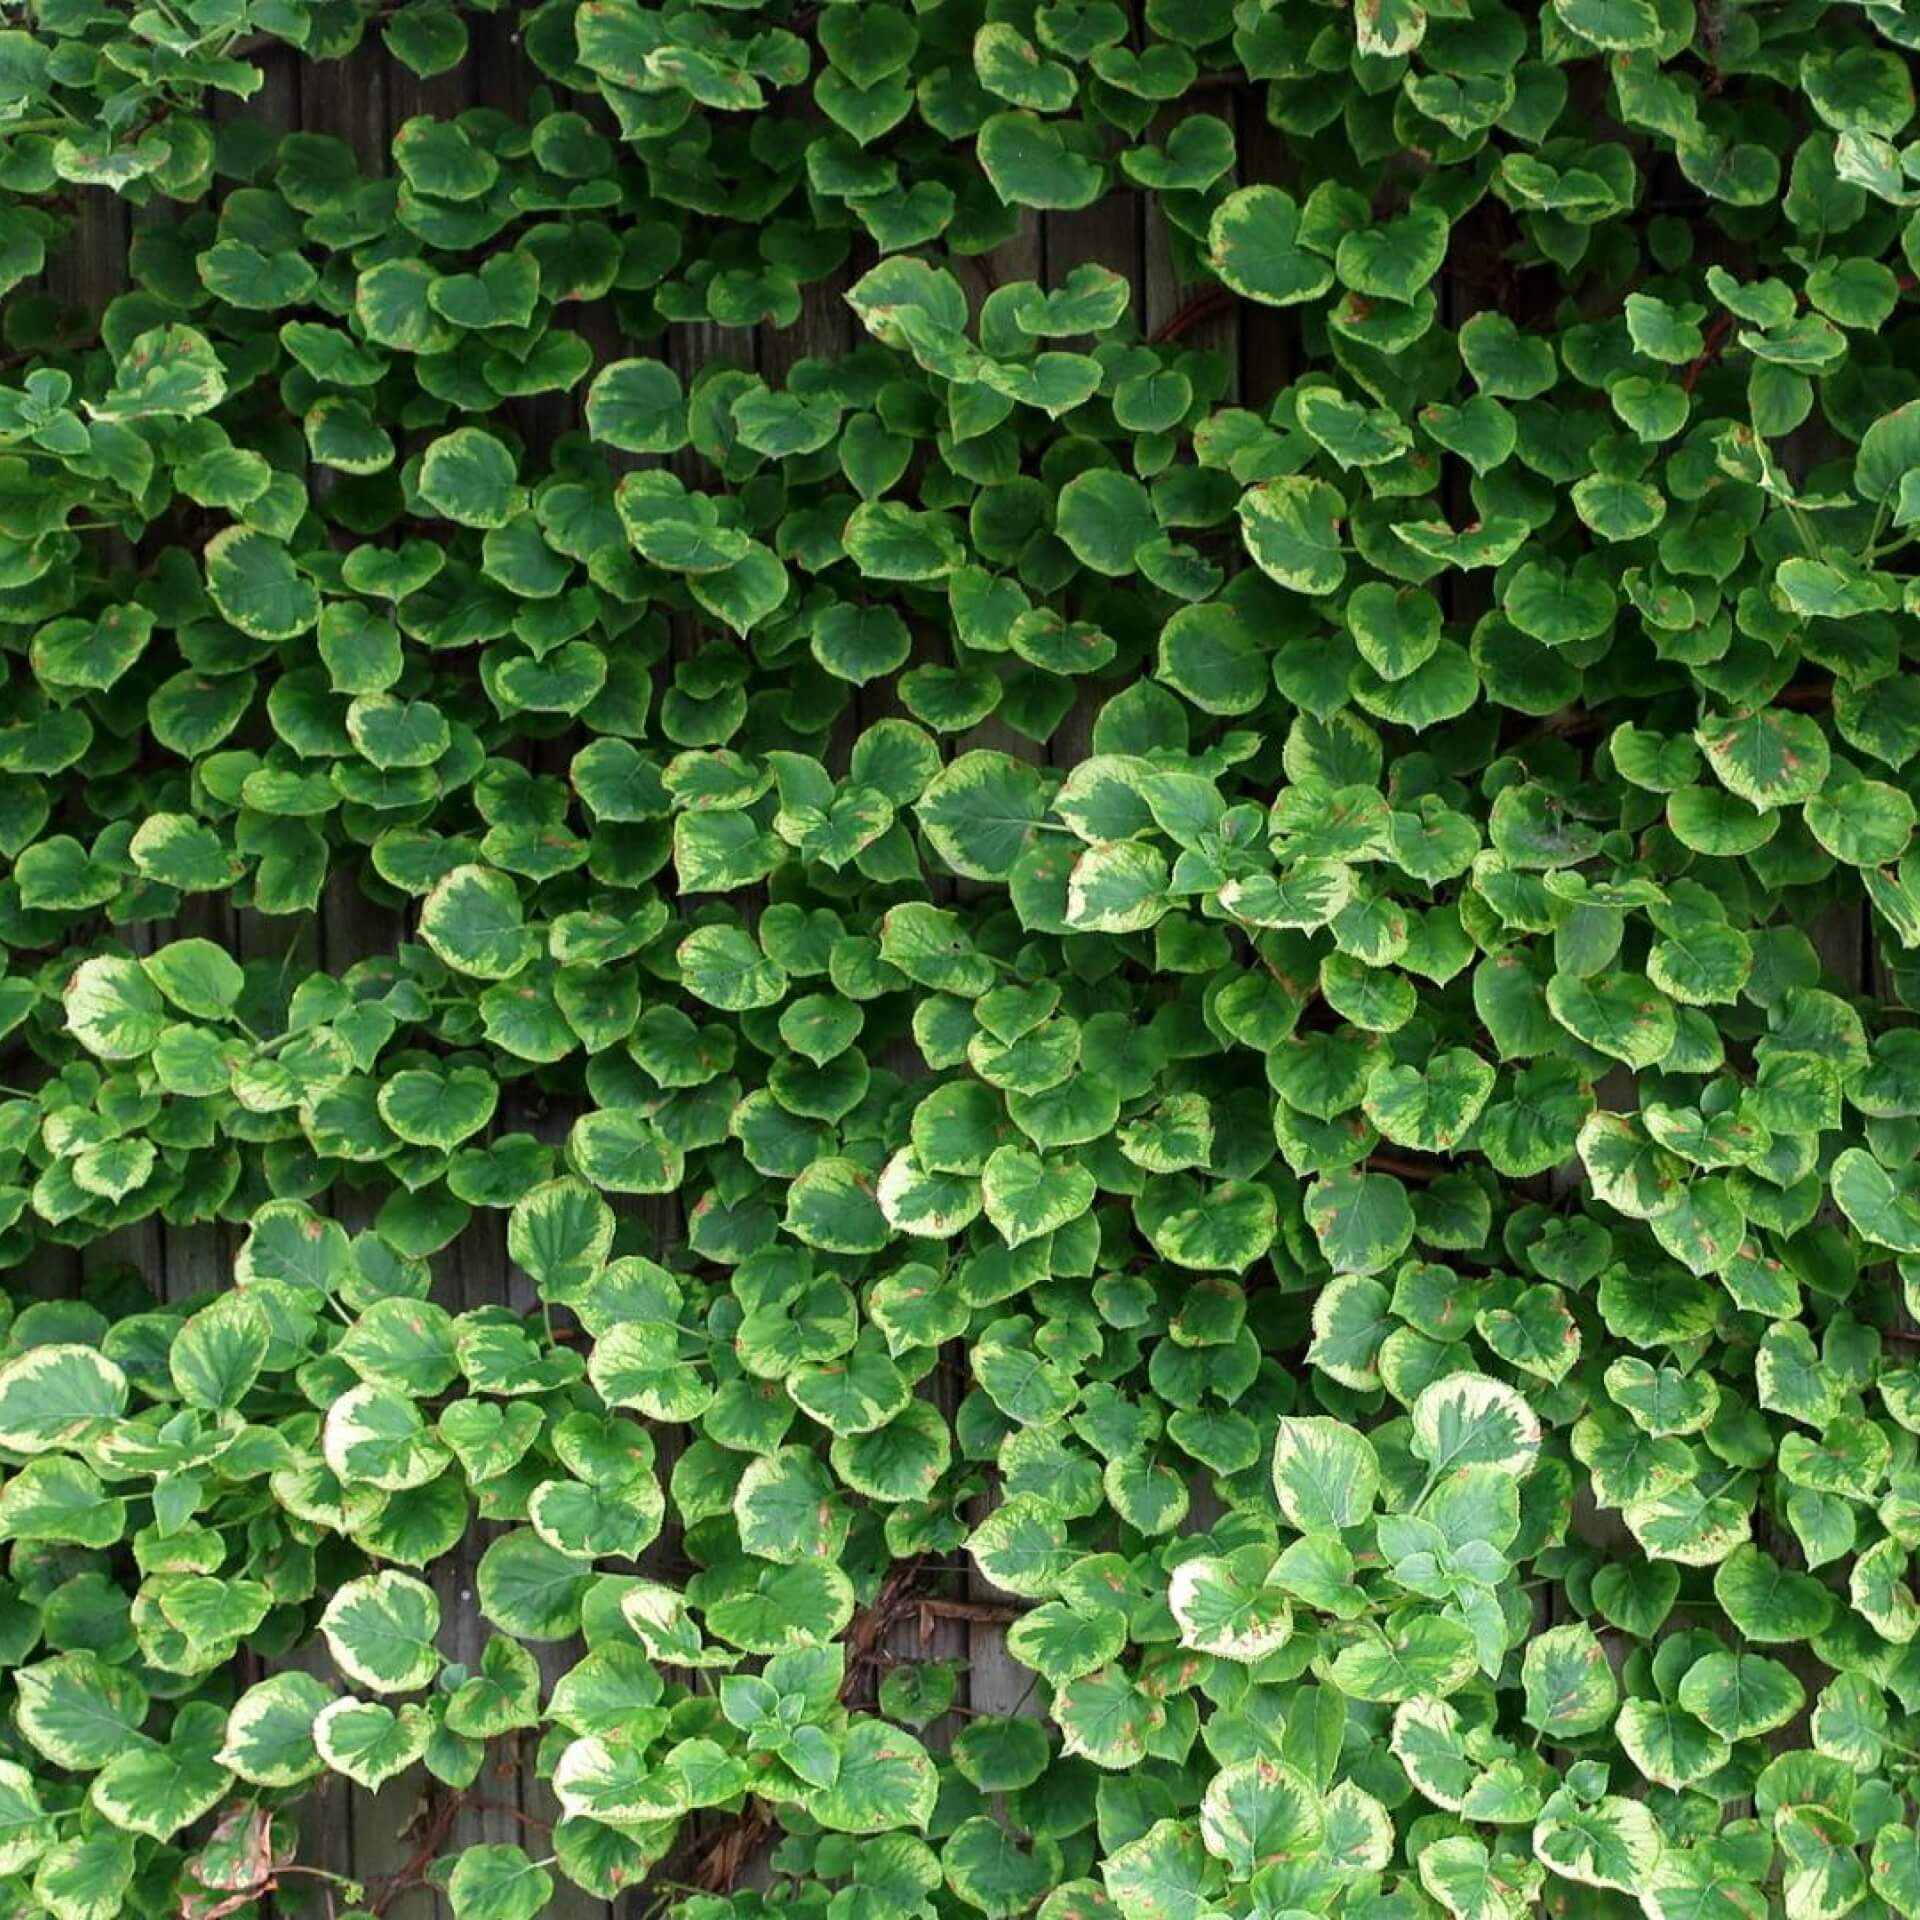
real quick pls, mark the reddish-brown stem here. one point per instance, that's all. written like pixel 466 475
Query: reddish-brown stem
pixel 1405 1169
pixel 1202 307
pixel 1716 337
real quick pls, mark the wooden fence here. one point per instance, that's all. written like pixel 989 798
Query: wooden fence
pixel 363 100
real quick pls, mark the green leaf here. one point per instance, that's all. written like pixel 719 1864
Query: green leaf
pixel 1326 1475
pixel 1570 1688
pixel 368 1742
pixel 529 1589
pixel 1882 1205
pixel 1468 1420
pixel 1031 163
pixel 886 1780
pixel 560 1233
pixel 269 1734
pixel 169 370
pixel 1363 1221
pixel 1767 1602
pixel 56 1395
pixel 468 477
pixel 981 812
pixel 1256 1813
pixel 1223 1613
pixel 253 581
pixel 1292 529
pixel 1253 245
pixel 473 920
pixel 1028 1196
pixel 1430 1109
pixel 1415 1655
pixel 637 406
pixel 380 1630
pixel 498 1883
pixel 1619 1014
pixel 428 1108
pixel 1397 260
pixel 158 1789
pixel 1108 1720
pixel 1739 1695
pixel 1163 1874
pixel 218 1354
pixel 78 1711
pixel 722 967
pixel 1613 1843
pixel 1770 758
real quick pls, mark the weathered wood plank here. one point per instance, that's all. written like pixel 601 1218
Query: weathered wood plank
pixel 1108 234
pixel 1174 307
pixel 1269 336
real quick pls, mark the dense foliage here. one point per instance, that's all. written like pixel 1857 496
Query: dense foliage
pixel 1214 989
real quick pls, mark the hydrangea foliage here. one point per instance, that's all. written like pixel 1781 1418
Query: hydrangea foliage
pixel 1194 1013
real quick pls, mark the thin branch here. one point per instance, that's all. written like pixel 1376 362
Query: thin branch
pixel 1405 1169
pixel 1202 307
pixel 729 1851
pixel 1715 339
pixel 977 1611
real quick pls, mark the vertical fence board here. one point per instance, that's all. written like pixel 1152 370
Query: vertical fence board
pixel 1172 307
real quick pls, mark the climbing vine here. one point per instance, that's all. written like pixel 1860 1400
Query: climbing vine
pixel 1220 1025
